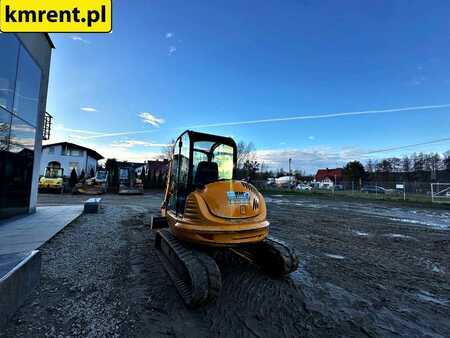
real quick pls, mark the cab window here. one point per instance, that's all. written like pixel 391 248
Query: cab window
pixel 180 172
pixel 221 154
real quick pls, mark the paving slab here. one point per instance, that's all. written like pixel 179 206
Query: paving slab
pixel 20 261
pixel 28 233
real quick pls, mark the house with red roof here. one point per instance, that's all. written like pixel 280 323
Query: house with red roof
pixel 328 178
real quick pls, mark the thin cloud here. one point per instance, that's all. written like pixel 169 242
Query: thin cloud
pixel 124 154
pixel 134 143
pixel 280 119
pixel 151 119
pixel 78 131
pixel 311 159
pixel 80 39
pixel 172 50
pixel 88 109
pixel 308 159
pixel 312 138
pixel 169 35
pixel 322 116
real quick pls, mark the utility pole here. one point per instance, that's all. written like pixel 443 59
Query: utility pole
pixel 290 172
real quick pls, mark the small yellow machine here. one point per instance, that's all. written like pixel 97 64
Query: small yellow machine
pixel 207 210
pixel 94 186
pixel 52 179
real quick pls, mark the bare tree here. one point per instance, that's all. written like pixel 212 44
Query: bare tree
pixel 167 151
pixel 396 164
pixel 245 153
pixel 4 129
pixel 369 166
pixel 385 166
pixel 446 160
pixel 406 164
pixel 435 162
pixel 418 161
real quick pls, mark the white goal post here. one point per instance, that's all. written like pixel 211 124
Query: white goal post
pixel 440 192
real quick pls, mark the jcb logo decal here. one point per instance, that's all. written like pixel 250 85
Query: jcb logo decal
pixel 70 16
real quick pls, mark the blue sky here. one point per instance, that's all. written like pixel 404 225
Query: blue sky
pixel 172 65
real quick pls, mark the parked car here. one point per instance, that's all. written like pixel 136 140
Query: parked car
pixel 303 187
pixel 271 181
pixel 374 190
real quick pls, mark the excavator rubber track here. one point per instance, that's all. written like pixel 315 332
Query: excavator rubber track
pixel 273 256
pixel 195 274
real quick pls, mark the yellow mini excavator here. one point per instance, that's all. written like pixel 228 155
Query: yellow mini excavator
pixel 206 209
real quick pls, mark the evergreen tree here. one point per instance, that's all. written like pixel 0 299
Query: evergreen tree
pixel 73 178
pixel 113 178
pixel 82 175
pixel 354 171
pixel 91 173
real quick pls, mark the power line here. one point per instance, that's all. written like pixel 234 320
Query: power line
pixel 441 140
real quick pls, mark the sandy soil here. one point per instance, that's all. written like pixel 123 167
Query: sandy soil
pixel 361 274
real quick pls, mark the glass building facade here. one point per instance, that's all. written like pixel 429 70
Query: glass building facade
pixel 20 111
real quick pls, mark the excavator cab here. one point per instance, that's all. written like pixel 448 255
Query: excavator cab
pixel 129 184
pixel 206 210
pixel 198 160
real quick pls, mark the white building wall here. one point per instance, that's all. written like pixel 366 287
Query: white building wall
pixel 92 163
pixel 67 162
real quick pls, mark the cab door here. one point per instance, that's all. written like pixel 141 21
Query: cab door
pixel 180 173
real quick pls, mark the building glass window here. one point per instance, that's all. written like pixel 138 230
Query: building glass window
pixel 8 68
pixel 67 151
pixel 28 85
pixel 22 136
pixel 17 175
pixel 20 87
pixel 5 123
pixel 51 150
pixel 16 170
pixel 75 152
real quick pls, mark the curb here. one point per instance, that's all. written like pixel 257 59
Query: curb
pixel 17 284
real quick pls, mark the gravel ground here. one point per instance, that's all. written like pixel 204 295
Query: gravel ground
pixel 360 275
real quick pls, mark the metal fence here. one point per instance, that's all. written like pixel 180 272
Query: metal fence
pixel 440 192
pixel 392 190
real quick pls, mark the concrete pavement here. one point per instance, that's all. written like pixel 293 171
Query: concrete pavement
pixel 20 261
pixel 29 232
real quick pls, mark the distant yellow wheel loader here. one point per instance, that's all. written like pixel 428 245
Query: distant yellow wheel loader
pixel 53 180
pixel 205 209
